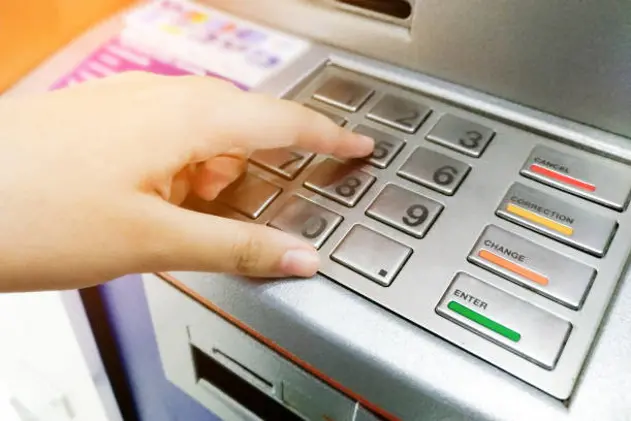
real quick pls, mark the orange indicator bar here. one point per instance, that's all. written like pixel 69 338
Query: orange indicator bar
pixel 513 267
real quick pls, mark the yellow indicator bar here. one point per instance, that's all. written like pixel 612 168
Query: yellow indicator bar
pixel 538 219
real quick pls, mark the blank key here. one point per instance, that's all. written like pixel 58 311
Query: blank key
pixel 250 196
pixel 373 255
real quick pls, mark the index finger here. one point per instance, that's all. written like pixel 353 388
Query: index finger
pixel 255 121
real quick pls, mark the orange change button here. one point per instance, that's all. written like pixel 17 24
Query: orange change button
pixel 530 265
pixel 513 267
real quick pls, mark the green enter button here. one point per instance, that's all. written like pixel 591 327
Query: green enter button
pixel 483 321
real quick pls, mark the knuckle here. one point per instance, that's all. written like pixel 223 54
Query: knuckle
pixel 246 254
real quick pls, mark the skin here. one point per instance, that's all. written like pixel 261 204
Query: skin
pixel 92 176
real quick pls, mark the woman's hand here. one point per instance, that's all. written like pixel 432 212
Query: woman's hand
pixel 91 177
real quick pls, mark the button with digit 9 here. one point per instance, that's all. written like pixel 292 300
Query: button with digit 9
pixel 405 210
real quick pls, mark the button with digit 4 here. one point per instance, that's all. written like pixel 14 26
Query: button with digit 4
pixel 434 170
pixel 304 218
pixel 386 146
pixel 405 210
pixel 371 254
pixel 461 135
pixel 340 182
pixel 606 184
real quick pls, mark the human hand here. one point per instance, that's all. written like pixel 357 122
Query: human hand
pixel 92 177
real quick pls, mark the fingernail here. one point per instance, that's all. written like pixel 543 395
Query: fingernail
pixel 300 262
pixel 365 144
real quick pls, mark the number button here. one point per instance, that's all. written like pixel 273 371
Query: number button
pixel 461 135
pixel 250 195
pixel 386 146
pixel 340 182
pixel 304 218
pixel 343 93
pixel 405 210
pixel 371 254
pixel 399 113
pixel 285 162
pixel 434 170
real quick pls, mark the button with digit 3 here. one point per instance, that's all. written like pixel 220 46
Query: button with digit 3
pixel 405 210
pixel 338 181
pixel 434 170
pixel 461 135
pixel 386 146
pixel 304 218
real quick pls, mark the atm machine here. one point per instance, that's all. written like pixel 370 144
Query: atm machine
pixel 474 267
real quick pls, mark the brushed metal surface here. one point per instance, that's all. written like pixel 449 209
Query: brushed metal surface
pixel 541 337
pixel 567 280
pixel 590 232
pixel 610 184
pixel 392 363
pixel 566 58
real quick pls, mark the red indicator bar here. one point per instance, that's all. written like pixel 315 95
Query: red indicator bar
pixel 562 177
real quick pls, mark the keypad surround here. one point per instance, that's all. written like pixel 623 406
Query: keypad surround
pixel 437 256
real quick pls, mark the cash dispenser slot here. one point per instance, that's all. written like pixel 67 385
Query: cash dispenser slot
pixel 209 370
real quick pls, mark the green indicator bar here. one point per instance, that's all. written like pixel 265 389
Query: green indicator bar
pixel 484 321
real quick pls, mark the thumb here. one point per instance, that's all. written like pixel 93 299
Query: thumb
pixel 192 241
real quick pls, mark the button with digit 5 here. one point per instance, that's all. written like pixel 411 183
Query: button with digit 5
pixel 386 146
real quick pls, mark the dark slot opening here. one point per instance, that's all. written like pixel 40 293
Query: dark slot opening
pixel 240 390
pixel 399 9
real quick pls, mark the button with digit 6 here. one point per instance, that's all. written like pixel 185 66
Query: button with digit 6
pixel 434 170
